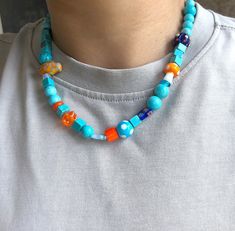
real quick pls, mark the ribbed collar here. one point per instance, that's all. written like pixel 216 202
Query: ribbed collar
pixel 131 81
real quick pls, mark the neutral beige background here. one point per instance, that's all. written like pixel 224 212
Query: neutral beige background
pixel 226 7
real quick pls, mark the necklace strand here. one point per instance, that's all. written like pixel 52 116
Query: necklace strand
pixel 125 128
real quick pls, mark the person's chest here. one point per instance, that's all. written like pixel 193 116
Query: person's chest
pixel 175 173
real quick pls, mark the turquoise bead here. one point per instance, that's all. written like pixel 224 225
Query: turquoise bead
pixel 125 129
pixel 165 82
pixel 62 109
pixel 181 47
pixel 50 90
pixel 135 121
pixel 161 91
pixel 54 99
pixel 177 59
pixel 87 131
pixel 47 81
pixel 188 24
pixel 178 52
pixel 189 17
pixel 45 57
pixel 190 3
pixel 78 124
pixel 154 102
pixel 187 31
pixel 189 9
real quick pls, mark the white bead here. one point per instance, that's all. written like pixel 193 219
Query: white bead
pixel 169 77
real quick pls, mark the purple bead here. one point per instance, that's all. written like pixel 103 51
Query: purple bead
pixel 145 113
pixel 182 38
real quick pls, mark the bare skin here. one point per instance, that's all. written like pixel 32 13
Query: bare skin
pixel 115 34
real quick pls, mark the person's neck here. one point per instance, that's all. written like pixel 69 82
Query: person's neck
pixel 115 34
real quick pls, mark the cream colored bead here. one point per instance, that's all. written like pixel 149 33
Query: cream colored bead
pixel 169 77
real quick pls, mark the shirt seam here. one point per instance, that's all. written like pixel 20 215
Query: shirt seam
pixel 91 94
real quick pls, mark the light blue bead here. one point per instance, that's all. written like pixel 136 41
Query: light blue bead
pixel 78 124
pixel 188 24
pixel 62 109
pixel 161 91
pixel 54 99
pixel 178 52
pixel 165 82
pixel 177 59
pixel 187 31
pixel 98 137
pixel 189 17
pixel 154 102
pixel 87 131
pixel 46 49
pixel 125 129
pixel 135 121
pixel 189 9
pixel 181 47
pixel 47 82
pixel 45 57
pixel 50 90
pixel 190 3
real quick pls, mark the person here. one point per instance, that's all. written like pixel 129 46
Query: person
pixel 175 172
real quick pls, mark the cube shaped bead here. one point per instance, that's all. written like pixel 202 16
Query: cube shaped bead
pixel 62 109
pixel 135 121
pixel 48 82
pixel 177 59
pixel 178 52
pixel 111 134
pixel 78 124
pixel 181 47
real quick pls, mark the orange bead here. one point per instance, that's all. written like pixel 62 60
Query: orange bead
pixel 57 104
pixel 68 118
pixel 172 67
pixel 111 134
pixel 51 68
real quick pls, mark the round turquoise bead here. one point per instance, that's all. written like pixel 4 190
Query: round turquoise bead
pixel 187 31
pixel 125 129
pixel 50 90
pixel 87 131
pixel 154 102
pixel 190 3
pixel 189 17
pixel 54 99
pixel 161 90
pixel 189 9
pixel 188 24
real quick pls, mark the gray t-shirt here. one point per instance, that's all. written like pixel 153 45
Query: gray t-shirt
pixel 177 171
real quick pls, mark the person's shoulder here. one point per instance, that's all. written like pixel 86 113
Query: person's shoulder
pixel 223 22
pixel 6 40
pixel 14 42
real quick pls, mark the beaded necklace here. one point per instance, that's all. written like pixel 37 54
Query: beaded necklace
pixel 124 128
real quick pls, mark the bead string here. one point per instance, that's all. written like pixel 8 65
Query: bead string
pixel 124 128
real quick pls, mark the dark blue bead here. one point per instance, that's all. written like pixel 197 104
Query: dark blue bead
pixel 182 38
pixel 145 113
